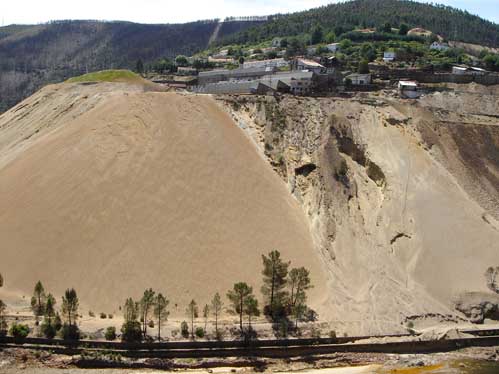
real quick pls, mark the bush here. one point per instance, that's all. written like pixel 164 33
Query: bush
pixel 103 315
pixel 151 324
pixel 110 316
pixel 48 330
pixel 199 332
pixel 110 333
pixel 19 331
pixel 131 332
pixel 70 332
pixel 184 329
pixel 410 325
pixel 332 334
pixel 91 314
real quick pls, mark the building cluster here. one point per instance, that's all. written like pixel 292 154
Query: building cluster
pixel 299 76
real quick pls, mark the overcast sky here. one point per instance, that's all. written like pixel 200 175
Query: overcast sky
pixel 175 11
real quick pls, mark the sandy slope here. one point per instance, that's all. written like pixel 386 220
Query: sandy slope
pixel 109 189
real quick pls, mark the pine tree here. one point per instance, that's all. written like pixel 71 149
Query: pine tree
pixel 146 303
pixel 216 308
pixel 192 313
pixel 38 300
pixel 70 305
pixel 238 296
pixel 274 274
pixel 161 311
pixel 206 314
pixel 251 309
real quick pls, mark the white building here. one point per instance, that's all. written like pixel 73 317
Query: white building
pixel 333 47
pixel 439 46
pixel 272 63
pixel 389 56
pixel 309 65
pixel 359 79
pixel 409 89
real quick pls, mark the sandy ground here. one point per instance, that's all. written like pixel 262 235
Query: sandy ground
pixel 112 190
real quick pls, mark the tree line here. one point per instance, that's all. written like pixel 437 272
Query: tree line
pixel 284 294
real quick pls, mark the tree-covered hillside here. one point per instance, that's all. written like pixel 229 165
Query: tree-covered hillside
pixel 32 56
pixel 446 21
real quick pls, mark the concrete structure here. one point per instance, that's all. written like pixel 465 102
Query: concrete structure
pixel 439 46
pixel 466 70
pixel 236 88
pixel 273 63
pixel 333 47
pixel 389 56
pixel 308 65
pixel 215 76
pixel 359 79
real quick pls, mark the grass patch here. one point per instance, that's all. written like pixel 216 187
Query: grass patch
pixel 107 76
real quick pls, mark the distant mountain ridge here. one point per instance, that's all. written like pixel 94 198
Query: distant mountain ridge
pixel 446 21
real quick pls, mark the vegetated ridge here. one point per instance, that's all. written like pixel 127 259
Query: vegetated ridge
pixel 34 55
pixel 450 23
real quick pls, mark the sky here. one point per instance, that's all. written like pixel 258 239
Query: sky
pixel 175 11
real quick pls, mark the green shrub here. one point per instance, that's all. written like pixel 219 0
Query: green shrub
pixel 19 331
pixel 48 330
pixel 70 332
pixel 184 329
pixel 110 333
pixel 410 325
pixel 199 332
pixel 103 315
pixel 131 332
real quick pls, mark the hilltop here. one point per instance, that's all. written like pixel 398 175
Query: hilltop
pixel 450 23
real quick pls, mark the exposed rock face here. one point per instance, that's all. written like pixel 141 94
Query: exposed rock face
pixel 478 306
pixel 394 217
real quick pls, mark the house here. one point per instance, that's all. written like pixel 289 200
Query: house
pixel 466 70
pixel 439 46
pixel 273 63
pixel 409 89
pixel 359 79
pixel 186 71
pixel 333 47
pixel 308 65
pixel 389 56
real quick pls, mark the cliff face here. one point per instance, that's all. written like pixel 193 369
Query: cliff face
pixel 401 196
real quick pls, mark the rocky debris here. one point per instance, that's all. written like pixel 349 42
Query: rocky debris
pixel 478 305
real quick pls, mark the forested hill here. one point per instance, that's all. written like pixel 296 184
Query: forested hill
pixel 446 21
pixel 32 56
